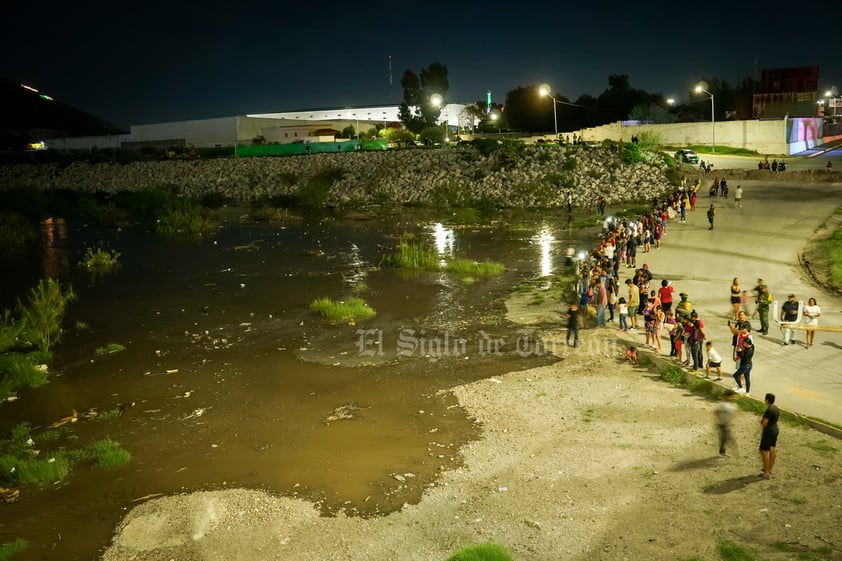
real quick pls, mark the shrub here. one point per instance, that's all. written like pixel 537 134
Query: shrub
pixel 100 260
pixel 510 153
pixel 17 234
pixel 181 216
pixel 42 314
pixel 110 348
pixel 486 146
pixel 314 193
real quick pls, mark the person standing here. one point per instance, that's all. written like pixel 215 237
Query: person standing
pixel 634 301
pixel 624 314
pixel 711 216
pixel 694 341
pixel 724 414
pixel 736 299
pixel 601 303
pixel 740 329
pixel 811 314
pixel 572 316
pixel 665 294
pixel 764 299
pixel 744 371
pixel 769 436
pixel 789 314
pixel 738 197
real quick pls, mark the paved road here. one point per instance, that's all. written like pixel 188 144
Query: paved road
pixel 761 240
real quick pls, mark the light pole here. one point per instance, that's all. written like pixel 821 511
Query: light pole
pixel 831 96
pixel 544 90
pixel 702 87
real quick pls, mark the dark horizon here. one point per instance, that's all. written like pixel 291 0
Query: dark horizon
pixel 162 62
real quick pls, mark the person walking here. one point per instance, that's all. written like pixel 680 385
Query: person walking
pixel 811 314
pixel 572 315
pixel 769 436
pixel 724 413
pixel 744 371
pixel 789 314
pixel 738 197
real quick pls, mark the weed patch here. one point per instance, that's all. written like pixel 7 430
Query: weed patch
pixel 482 552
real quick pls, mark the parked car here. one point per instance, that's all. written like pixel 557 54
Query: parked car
pixel 687 156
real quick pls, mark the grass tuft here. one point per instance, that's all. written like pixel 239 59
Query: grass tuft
pixel 468 267
pixel 673 375
pixel 482 552
pixel 732 552
pixel 350 309
pixel 110 348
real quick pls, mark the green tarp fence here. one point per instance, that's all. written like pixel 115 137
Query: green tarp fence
pixel 311 148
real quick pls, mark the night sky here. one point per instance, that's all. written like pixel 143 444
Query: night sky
pixel 152 61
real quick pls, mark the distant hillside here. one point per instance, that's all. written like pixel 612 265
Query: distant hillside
pixel 26 117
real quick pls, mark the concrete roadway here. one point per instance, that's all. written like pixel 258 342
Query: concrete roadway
pixel 761 240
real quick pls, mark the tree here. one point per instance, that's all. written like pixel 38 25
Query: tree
pixel 417 111
pixel 527 110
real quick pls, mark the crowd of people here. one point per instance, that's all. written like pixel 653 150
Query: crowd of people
pixel 657 311
pixel 640 303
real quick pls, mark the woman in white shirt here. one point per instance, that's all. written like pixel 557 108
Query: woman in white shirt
pixel 811 314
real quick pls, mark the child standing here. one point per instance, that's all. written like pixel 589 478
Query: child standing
pixel 624 314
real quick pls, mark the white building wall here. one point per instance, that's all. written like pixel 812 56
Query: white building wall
pixel 201 133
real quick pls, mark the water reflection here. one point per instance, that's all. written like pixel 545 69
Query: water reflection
pixel 544 239
pixel 444 238
pixel 54 254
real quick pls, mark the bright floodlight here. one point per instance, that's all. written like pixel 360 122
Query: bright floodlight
pixel 436 100
pixel 494 116
pixel 670 101
pixel 544 89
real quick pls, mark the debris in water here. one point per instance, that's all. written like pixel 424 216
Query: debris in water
pixel 347 411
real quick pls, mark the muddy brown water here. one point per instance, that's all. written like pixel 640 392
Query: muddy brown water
pixel 229 380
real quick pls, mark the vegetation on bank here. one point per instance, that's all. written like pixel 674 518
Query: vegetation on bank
pixel 831 256
pixel 7 550
pixel 40 459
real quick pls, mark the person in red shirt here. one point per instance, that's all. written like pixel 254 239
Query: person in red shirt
pixel 665 295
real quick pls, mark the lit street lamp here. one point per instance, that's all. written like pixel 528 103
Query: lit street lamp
pixel 544 90
pixel 438 101
pixel 700 88
pixel 495 118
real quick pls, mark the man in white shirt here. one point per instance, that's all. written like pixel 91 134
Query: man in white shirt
pixel 714 361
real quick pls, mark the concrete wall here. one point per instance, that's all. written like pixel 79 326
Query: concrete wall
pixel 763 136
pixel 87 143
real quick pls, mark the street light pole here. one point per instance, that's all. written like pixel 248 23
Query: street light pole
pixel 699 89
pixel 544 90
